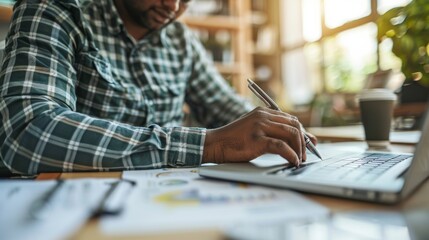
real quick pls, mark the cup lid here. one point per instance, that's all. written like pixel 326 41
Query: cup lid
pixel 376 94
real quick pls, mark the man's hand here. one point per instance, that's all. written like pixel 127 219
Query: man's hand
pixel 261 131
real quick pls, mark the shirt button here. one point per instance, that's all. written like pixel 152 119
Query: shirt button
pixel 155 40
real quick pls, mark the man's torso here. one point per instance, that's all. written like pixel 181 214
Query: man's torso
pixel 127 81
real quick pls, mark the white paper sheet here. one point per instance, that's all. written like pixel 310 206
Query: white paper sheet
pixel 359 225
pixel 70 208
pixel 180 200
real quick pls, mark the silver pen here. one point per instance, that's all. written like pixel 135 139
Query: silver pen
pixel 271 104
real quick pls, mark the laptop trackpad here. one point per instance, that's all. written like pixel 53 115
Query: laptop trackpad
pixel 291 170
pixel 268 160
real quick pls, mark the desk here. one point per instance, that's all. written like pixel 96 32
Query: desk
pixel 356 133
pixel 418 200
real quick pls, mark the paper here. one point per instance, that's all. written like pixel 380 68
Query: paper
pixel 69 208
pixel 373 225
pixel 180 200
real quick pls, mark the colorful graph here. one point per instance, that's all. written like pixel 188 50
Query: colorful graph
pixel 197 197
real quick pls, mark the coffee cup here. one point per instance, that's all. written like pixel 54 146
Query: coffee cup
pixel 376 111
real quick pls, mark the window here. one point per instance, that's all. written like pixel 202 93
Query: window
pixel 331 46
pixel 349 56
pixel 339 12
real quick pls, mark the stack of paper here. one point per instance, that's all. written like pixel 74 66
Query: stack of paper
pixel 179 200
pixel 47 209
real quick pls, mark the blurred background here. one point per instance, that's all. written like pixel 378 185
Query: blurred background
pixel 314 56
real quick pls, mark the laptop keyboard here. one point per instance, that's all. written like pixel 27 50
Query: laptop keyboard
pixel 364 167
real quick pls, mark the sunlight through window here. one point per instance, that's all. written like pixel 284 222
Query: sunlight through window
pixel 338 12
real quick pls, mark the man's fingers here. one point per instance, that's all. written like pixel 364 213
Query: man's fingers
pixel 283 127
pixel 285 118
pixel 312 138
pixel 293 121
pixel 282 114
pixel 304 149
pixel 276 146
pixel 286 133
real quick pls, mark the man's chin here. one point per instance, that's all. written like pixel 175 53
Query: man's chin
pixel 153 26
pixel 158 26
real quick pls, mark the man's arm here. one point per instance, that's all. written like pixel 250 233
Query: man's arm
pixel 213 102
pixel 42 132
pixel 241 134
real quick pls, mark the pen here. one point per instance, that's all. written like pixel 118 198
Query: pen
pixel 39 209
pixel 113 200
pixel 271 104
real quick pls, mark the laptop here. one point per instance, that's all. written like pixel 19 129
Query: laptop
pixel 383 177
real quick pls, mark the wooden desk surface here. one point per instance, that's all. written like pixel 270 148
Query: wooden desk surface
pixel 356 133
pixel 418 200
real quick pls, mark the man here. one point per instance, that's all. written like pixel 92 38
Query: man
pixel 100 85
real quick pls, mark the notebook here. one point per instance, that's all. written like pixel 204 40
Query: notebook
pixel 374 176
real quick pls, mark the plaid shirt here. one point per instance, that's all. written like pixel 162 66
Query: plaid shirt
pixel 79 94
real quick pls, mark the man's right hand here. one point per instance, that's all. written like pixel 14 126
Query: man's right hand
pixel 261 131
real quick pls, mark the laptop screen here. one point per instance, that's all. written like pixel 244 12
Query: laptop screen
pixel 419 168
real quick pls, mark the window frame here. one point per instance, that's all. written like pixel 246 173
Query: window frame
pixel 327 32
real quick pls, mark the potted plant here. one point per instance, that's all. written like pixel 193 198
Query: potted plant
pixel 408 29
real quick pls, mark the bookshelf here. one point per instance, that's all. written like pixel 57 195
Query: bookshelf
pixel 265 51
pixel 230 22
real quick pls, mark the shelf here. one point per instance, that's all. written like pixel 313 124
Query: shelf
pixel 5 13
pixel 238 24
pixel 268 53
pixel 232 68
pixel 212 22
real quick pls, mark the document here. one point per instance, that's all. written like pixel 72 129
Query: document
pixel 362 225
pixel 172 200
pixel 47 209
